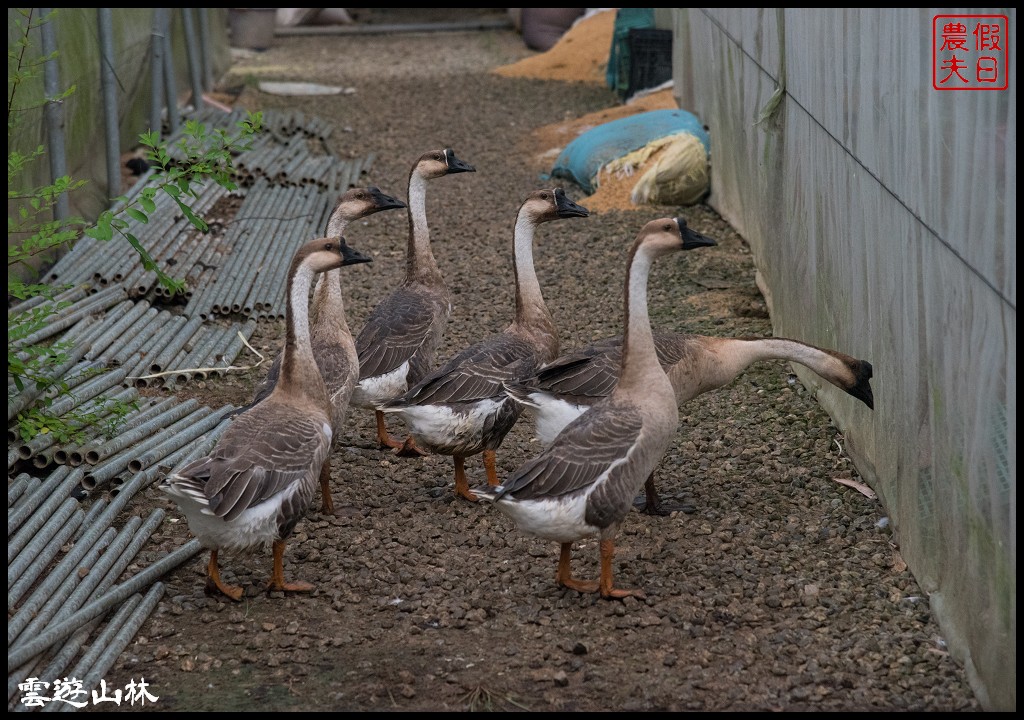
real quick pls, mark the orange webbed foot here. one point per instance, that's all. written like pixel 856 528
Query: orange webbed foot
pixel 621 593
pixel 583 586
pixel 409 448
pixel 297 586
pixel 235 592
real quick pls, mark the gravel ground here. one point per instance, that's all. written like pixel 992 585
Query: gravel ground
pixel 775 587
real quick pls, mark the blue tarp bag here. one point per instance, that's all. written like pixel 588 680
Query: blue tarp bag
pixel 583 158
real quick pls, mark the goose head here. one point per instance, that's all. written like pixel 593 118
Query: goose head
pixel 550 204
pixel 666 235
pixel 360 202
pixel 439 163
pixel 323 254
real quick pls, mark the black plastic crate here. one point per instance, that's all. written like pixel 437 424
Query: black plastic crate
pixel 650 59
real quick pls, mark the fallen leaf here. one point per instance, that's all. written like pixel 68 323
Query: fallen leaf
pixel 898 563
pixel 859 487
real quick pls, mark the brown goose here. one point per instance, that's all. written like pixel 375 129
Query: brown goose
pixel 333 345
pixel 259 480
pixel 398 345
pixel 696 364
pixel 583 484
pixel 462 409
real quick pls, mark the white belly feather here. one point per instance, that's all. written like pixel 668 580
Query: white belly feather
pixel 380 388
pixel 255 527
pixel 552 414
pixel 440 425
pixel 561 519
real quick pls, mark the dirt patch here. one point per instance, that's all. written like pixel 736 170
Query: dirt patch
pixel 773 587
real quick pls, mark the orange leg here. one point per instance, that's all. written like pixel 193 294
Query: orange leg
pixel 213 570
pixel 325 488
pixel 492 470
pixel 607 591
pixel 383 437
pixel 406 448
pixel 565 577
pixel 277 579
pixel 461 484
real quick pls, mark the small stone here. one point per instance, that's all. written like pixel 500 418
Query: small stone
pixel 561 679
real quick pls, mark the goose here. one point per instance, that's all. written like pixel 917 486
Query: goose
pixel 696 364
pixel 461 409
pixel 398 344
pixel 259 479
pixel 333 345
pixel 583 483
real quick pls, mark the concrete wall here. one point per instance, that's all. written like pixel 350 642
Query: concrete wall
pixel 882 217
pixel 79 63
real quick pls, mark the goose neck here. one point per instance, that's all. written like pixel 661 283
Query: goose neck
pixel 530 307
pixel 337 224
pixel 420 263
pixel 639 357
pixel 328 314
pixel 300 375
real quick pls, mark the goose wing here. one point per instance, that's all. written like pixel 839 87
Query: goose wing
pixel 264 452
pixel 593 371
pixel 398 327
pixel 476 373
pixel 337 365
pixel 588 372
pixel 594 447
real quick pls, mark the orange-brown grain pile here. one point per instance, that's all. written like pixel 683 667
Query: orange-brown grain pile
pixel 580 55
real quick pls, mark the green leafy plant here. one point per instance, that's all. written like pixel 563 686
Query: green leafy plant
pixel 33 230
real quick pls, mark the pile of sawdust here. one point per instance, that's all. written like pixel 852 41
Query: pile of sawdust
pixel 613 188
pixel 580 55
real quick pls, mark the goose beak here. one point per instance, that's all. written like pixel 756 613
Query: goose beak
pixel 351 256
pixel 455 165
pixel 691 238
pixel 566 208
pixel 385 202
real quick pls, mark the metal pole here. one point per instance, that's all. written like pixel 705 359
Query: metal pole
pixel 192 44
pixel 204 47
pixel 117 594
pixel 156 72
pixel 108 83
pixel 53 113
pixel 170 81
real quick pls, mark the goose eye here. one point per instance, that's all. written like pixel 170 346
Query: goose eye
pixel 329 246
